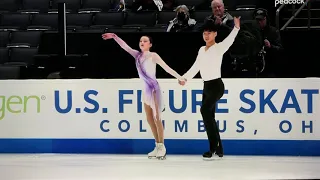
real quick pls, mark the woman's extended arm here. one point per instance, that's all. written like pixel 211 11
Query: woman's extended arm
pixel 121 43
pixel 157 59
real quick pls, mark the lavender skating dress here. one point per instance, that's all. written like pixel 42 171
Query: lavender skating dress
pixel 151 92
pixel 146 66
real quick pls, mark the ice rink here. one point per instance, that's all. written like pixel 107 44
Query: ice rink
pixel 115 167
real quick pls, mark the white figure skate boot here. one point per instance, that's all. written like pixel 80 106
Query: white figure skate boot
pixel 153 153
pixel 162 152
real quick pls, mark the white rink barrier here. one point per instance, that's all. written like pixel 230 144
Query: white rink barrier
pixel 255 117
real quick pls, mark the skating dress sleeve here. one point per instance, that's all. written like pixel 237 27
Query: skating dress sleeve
pixel 157 59
pixel 126 47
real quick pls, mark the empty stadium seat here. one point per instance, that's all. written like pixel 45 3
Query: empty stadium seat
pixel 4 55
pixel 153 29
pixel 122 30
pixel 4 38
pixel 71 66
pixel 45 20
pixel 200 16
pixel 9 72
pixel 247 4
pixel 191 3
pixel 41 60
pixel 97 30
pixel 71 5
pixel 165 16
pixel 114 18
pixel 14 21
pixel 95 6
pixel 72 61
pixel 77 21
pixel 35 6
pixel 9 5
pixel 38 28
pixel 25 38
pixel 55 11
pixel 22 56
pixel 230 4
pixel 245 14
pixel 140 18
pixel 46 61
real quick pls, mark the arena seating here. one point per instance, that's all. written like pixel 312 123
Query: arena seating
pixel 24 30
pixel 36 6
pixel 49 21
pixel 23 22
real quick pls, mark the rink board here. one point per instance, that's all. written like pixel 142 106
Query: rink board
pixel 255 117
pixel 174 146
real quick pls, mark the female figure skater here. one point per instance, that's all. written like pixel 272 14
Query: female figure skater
pixel 208 62
pixel 152 95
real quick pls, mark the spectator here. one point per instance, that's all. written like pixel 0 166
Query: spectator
pixel 270 34
pixel 221 17
pixel 271 41
pixel 120 6
pixel 152 5
pixel 182 22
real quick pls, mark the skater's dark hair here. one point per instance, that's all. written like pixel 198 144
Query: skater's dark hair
pixel 150 39
pixel 210 25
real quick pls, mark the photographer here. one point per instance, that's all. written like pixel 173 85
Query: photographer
pixel 271 41
pixel 182 22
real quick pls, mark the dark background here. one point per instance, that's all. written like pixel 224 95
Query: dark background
pixel 106 59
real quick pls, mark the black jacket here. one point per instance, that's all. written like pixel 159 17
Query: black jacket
pixel 273 36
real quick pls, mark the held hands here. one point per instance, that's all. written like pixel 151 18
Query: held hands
pixel 106 36
pixel 182 83
pixel 237 22
pixel 267 43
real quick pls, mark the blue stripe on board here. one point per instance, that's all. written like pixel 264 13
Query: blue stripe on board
pixel 174 146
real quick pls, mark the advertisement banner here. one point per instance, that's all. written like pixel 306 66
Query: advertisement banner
pixel 256 111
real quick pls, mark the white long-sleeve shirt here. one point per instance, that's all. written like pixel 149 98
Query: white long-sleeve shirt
pixel 209 62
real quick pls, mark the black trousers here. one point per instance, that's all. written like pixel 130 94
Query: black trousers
pixel 212 91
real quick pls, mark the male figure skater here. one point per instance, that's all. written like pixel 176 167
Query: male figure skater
pixel 209 62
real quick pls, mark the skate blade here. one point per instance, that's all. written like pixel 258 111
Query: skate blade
pixel 152 157
pixel 211 159
pixel 162 158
